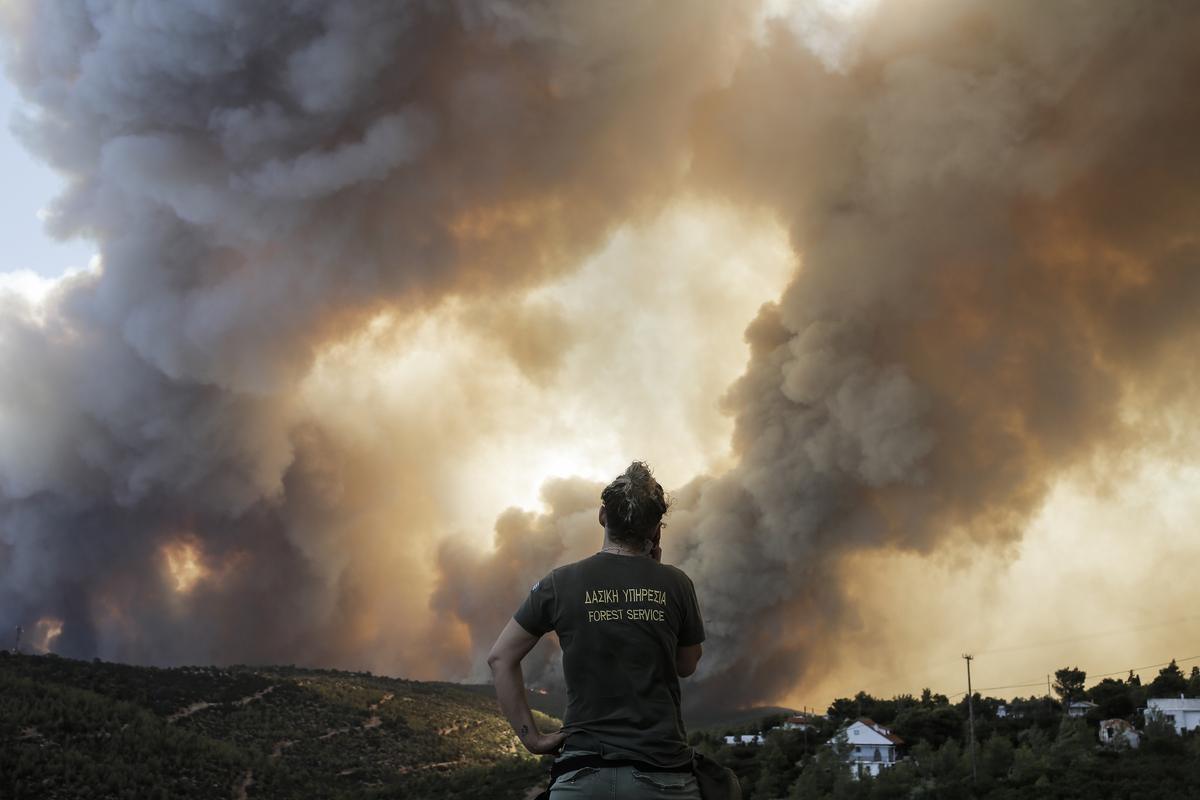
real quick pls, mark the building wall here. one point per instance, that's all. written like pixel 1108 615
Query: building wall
pixel 1114 731
pixel 1183 714
pixel 867 743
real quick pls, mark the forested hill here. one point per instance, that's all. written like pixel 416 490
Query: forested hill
pixel 77 729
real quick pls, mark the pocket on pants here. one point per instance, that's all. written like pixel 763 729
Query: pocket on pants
pixel 575 775
pixel 680 784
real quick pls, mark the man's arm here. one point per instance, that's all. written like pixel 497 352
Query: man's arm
pixel 686 659
pixel 505 660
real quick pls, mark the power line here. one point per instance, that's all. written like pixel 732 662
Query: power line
pixel 1014 686
pixel 1066 640
pixel 1098 675
pixel 916 671
pixel 1086 636
pixel 1152 666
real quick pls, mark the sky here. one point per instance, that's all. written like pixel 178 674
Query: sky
pixel 28 187
pixel 898 298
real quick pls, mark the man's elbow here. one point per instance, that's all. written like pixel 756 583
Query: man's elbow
pixel 501 661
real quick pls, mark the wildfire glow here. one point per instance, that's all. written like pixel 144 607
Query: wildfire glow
pixel 863 280
pixel 185 562
pixel 45 632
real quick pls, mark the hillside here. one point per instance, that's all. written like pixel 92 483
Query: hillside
pixel 99 730
pixel 74 729
pixel 552 705
pixel 695 719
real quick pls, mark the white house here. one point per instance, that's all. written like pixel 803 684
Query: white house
pixel 1080 708
pixel 872 746
pixel 1117 732
pixel 799 722
pixel 750 738
pixel 1184 714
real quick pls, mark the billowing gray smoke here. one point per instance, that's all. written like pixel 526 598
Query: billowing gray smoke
pixel 264 179
pixel 995 212
pixel 993 205
pixel 989 206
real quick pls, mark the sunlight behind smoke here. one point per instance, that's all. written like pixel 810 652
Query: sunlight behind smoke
pixel 625 356
pixel 33 290
pixel 829 28
pixel 1072 594
pixel 27 284
pixel 389 288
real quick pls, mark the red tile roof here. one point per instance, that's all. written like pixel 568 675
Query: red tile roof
pixel 882 731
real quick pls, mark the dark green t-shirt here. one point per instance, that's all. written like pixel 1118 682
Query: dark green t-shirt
pixel 619 620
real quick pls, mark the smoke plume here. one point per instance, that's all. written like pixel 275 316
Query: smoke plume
pixel 364 262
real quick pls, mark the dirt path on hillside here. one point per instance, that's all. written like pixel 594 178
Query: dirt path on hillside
pixel 243 784
pixel 192 709
pixel 195 707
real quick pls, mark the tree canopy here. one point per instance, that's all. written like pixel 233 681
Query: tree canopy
pixel 1068 684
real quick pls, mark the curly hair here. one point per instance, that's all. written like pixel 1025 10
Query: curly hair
pixel 634 503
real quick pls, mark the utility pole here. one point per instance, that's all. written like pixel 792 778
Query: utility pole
pixel 804 725
pixel 971 712
pixel 17 645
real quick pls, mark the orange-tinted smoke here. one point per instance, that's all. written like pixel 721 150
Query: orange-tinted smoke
pixel 993 206
pixel 265 184
pixel 996 213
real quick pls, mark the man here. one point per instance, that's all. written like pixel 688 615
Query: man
pixel 630 628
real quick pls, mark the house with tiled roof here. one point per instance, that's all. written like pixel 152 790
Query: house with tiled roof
pixel 800 722
pixel 869 747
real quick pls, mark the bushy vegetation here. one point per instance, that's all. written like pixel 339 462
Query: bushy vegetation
pixel 96 730
pixel 1034 752
pixel 72 729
